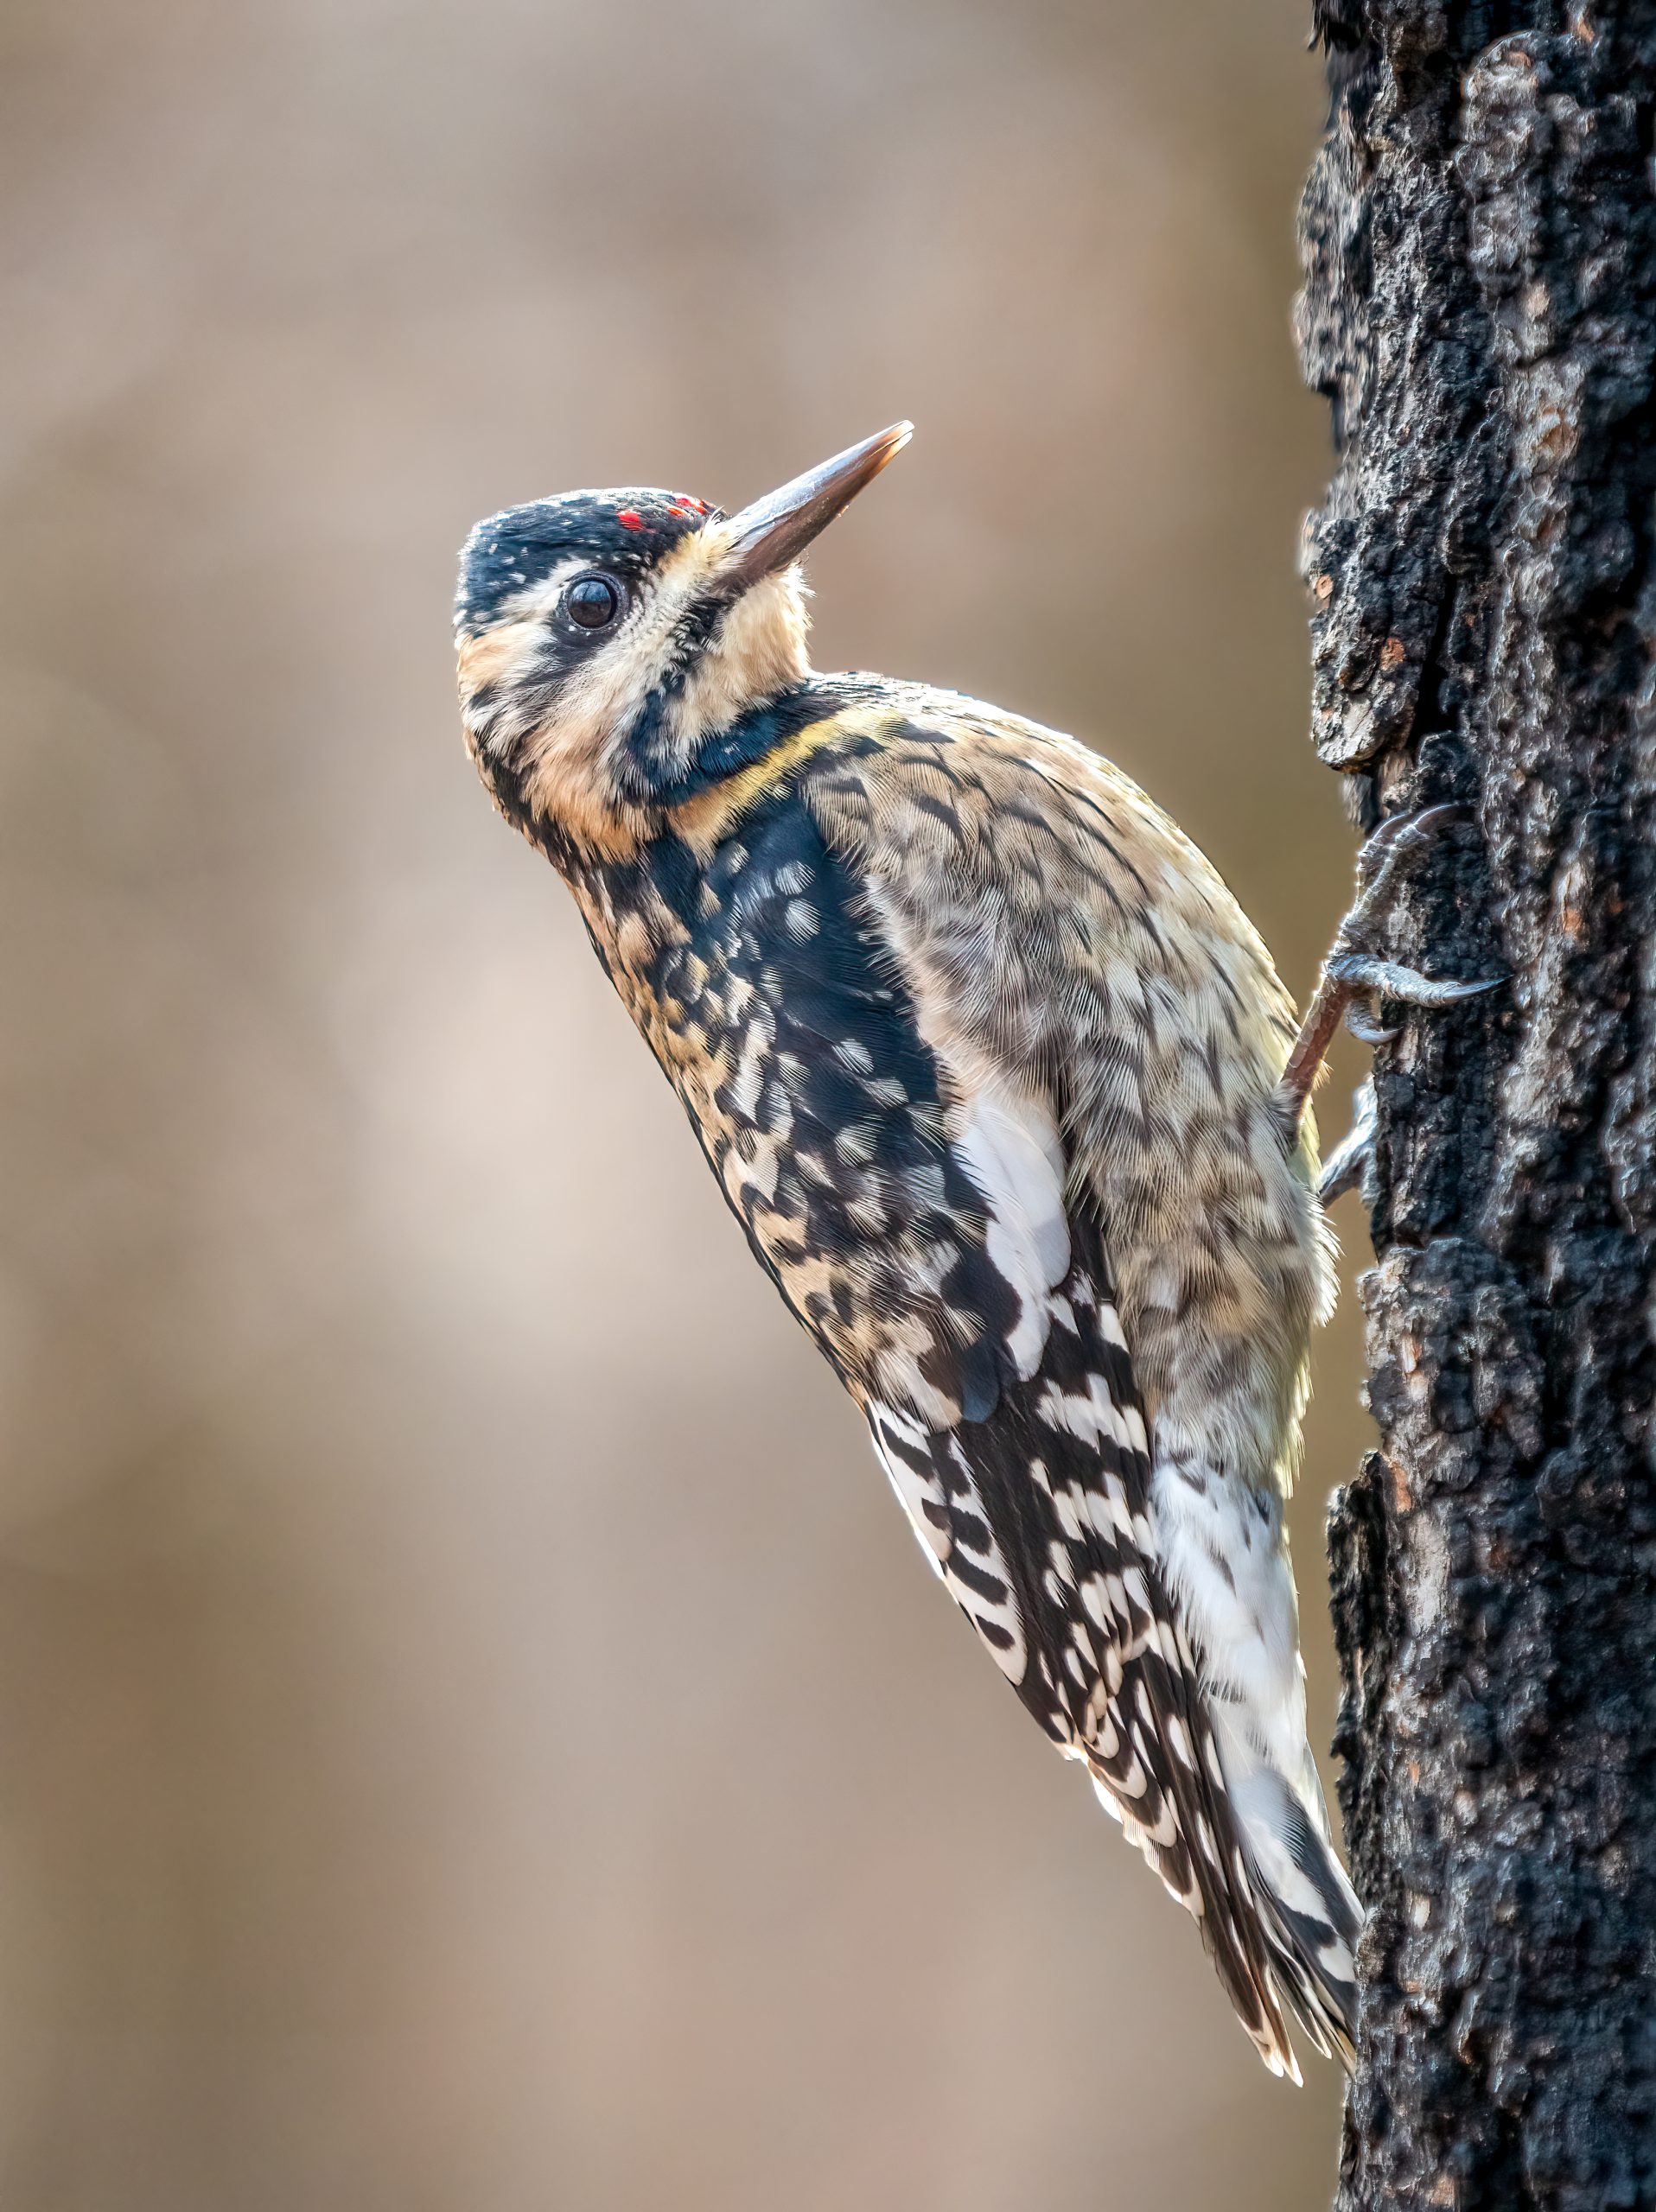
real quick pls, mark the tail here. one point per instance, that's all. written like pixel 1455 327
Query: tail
pixel 1223 1558
pixel 1309 1911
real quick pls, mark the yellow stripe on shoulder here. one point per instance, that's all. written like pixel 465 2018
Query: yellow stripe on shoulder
pixel 705 820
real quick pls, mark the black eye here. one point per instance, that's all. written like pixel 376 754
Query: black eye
pixel 591 601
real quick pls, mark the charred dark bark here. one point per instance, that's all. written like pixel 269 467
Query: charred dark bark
pixel 1481 309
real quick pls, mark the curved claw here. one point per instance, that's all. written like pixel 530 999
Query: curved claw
pixel 1367 971
pixel 1353 968
pixel 1366 1029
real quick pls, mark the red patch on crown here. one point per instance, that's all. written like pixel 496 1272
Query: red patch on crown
pixel 629 519
pixel 690 506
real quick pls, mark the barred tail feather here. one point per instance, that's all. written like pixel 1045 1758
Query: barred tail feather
pixel 1225 1560
pixel 1196 1845
pixel 1311 1912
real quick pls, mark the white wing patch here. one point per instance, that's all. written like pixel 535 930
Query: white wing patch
pixel 1009 1144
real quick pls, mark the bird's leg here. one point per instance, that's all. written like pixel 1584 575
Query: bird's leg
pixel 1354 971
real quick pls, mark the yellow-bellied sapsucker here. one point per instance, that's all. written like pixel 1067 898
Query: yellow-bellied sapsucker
pixel 1003 1088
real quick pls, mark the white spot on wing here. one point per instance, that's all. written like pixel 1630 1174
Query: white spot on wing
pixel 1009 1146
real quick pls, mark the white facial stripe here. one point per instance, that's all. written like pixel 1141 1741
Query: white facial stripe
pixel 598 694
pixel 759 650
pixel 503 660
pixel 538 599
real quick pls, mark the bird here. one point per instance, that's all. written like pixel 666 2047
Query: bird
pixel 1002 1087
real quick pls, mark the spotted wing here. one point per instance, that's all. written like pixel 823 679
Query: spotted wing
pixel 916 1224
pixel 794 1043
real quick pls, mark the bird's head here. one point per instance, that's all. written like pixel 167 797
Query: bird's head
pixel 606 639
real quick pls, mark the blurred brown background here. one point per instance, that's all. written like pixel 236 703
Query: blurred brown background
pixel 475 1730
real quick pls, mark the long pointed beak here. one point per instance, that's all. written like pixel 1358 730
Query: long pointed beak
pixel 776 530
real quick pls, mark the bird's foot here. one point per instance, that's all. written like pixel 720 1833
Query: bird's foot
pixel 1367 973
pixel 1360 972
pixel 1355 976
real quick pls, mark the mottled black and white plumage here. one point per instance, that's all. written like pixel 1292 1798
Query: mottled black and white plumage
pixel 990 1067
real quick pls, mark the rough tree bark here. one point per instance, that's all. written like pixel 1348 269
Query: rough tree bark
pixel 1480 244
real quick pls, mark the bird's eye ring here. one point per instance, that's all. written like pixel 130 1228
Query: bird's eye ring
pixel 591 601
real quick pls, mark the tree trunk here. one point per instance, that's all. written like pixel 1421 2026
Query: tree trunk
pixel 1481 309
